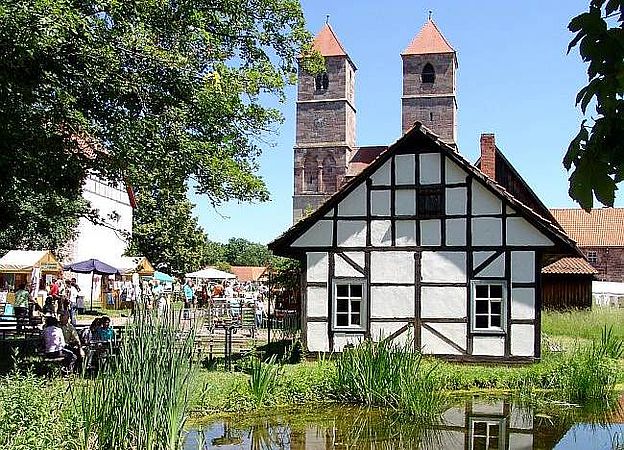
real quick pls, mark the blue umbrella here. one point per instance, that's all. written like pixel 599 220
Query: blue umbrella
pixel 92 266
pixel 161 276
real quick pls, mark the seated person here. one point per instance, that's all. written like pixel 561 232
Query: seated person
pixel 105 332
pixel 72 342
pixel 89 334
pixel 54 344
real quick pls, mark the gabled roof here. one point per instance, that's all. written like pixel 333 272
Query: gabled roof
pixel 362 157
pixel 425 137
pixel 428 40
pixel 603 227
pixel 570 266
pixel 248 273
pixel 327 43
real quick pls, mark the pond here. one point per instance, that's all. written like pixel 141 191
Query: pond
pixel 472 424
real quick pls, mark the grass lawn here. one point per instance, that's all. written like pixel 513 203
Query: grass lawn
pixel 583 324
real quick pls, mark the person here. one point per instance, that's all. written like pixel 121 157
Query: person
pixel 54 344
pixel 73 300
pixel 89 335
pixel 229 291
pixel 105 333
pixel 60 300
pixel 52 298
pixel 188 297
pixel 22 298
pixel 259 311
pixel 72 341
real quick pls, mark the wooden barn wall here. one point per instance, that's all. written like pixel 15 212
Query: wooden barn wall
pixel 562 292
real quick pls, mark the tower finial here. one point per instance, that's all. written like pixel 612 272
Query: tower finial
pixel 327 19
pixel 430 13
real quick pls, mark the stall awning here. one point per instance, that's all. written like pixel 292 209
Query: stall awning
pixel 23 261
pixel 134 264
pixel 210 274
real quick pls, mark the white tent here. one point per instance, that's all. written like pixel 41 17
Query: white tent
pixel 23 261
pixel 210 273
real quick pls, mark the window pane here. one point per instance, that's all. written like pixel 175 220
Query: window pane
pixel 342 305
pixel 481 291
pixel 479 443
pixel 496 291
pixel 480 428
pixel 355 306
pixel 342 290
pixel 481 307
pixel 496 307
pixel 356 290
pixel 429 203
pixel 355 319
pixel 496 321
pixel 481 322
pixel 342 320
pixel 493 429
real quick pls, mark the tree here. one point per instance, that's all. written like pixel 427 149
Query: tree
pixel 241 252
pixel 124 89
pixel 597 151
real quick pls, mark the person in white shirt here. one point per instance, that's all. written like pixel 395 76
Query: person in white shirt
pixel 54 344
pixel 73 301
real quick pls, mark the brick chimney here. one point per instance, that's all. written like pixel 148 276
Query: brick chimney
pixel 488 155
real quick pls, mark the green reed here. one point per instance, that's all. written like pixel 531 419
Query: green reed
pixel 140 397
pixel 263 378
pixel 390 374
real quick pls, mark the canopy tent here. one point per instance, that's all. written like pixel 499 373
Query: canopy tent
pixel 134 264
pixel 210 273
pixel 160 276
pixel 23 261
pixel 92 266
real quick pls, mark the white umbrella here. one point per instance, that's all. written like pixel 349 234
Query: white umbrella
pixel 210 274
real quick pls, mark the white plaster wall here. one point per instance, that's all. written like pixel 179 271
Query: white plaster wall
pixel 405 233
pixel 351 233
pixel 454 417
pixel 521 232
pixel 317 339
pixel 496 269
pixel 456 332
pixel 449 267
pixel 357 257
pixel 343 339
pixel 380 330
pixel 392 267
pixel 381 177
pixel 344 269
pixel 522 340
pixel 430 232
pixel 453 173
pixel 484 202
pixel 318 235
pixel 479 257
pixel 392 301
pixel 456 232
pixel 316 270
pixel 488 345
pixel 316 301
pixel 381 236
pixel 521 418
pixel 509 210
pixel 487 231
pixel 405 202
pixel 404 169
pixel 429 168
pixel 354 204
pixel 456 200
pixel 443 302
pixel 329 215
pixel 520 441
pixel 491 408
pixel 523 303
pixel 433 345
pixel 449 440
pixel 523 267
pixel 380 203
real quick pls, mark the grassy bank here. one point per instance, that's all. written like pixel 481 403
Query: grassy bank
pixel 583 324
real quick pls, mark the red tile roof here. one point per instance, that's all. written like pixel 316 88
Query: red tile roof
pixel 570 265
pixel 602 227
pixel 327 43
pixel 428 40
pixel 248 273
pixel 362 157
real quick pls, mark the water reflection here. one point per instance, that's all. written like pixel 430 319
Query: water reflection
pixel 473 424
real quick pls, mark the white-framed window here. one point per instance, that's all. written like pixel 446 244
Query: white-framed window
pixel 349 304
pixel 489 305
pixel 487 434
pixel 592 257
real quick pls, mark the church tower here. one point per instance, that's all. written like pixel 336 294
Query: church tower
pixel 429 65
pixel 325 127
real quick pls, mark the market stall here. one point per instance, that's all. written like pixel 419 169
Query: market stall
pixel 34 268
pixel 93 267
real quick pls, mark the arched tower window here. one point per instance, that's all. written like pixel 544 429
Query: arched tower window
pixel 330 183
pixel 321 81
pixel 428 74
pixel 310 174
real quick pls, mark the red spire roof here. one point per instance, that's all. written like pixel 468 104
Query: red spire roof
pixel 428 40
pixel 327 43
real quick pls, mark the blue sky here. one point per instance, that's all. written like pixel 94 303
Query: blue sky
pixel 514 79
